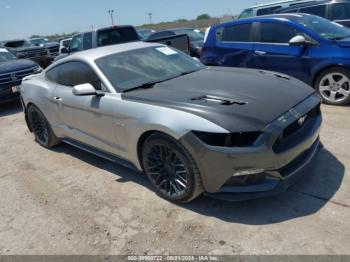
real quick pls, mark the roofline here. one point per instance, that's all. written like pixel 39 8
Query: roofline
pixel 276 3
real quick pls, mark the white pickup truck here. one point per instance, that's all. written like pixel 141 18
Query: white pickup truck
pixel 117 35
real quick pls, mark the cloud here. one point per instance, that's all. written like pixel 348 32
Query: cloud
pixel 7 6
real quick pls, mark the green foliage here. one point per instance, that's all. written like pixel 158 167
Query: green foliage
pixel 203 17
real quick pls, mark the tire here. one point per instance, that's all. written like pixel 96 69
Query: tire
pixel 334 86
pixel 41 128
pixel 171 169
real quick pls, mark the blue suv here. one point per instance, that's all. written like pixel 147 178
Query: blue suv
pixel 304 46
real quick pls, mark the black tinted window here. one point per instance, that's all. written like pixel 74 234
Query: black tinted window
pixel 72 74
pixel 319 10
pixel 340 11
pixel 236 33
pixel 116 35
pixel 87 42
pixel 161 35
pixel 267 11
pixel 276 33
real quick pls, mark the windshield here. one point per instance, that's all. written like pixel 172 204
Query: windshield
pixel 323 27
pixel 193 35
pixel 38 41
pixel 6 56
pixel 131 69
pixel 16 44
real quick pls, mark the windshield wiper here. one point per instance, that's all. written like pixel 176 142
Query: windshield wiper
pixel 147 85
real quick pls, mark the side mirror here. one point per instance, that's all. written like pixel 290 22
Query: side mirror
pixel 86 90
pixel 64 50
pixel 298 40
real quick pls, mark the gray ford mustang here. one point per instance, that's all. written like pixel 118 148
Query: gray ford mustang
pixel 234 134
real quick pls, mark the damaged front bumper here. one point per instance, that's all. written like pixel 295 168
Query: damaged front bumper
pixel 267 168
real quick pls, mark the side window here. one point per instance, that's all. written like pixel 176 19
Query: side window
pixel 76 44
pixel 291 11
pixel 276 33
pixel 235 33
pixel 340 11
pixel 246 14
pixel 319 10
pixel 267 11
pixel 87 41
pixel 74 73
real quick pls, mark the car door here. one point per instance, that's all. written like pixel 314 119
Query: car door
pixel 233 45
pixel 273 52
pixel 86 119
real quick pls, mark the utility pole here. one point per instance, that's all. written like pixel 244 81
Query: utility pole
pixel 150 18
pixel 111 13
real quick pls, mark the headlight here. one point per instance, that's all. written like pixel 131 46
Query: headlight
pixel 244 139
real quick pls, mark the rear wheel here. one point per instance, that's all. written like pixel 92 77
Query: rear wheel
pixel 334 86
pixel 41 128
pixel 171 169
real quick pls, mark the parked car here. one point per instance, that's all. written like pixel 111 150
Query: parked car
pixel 334 10
pixel 196 38
pixel 64 43
pixel 307 47
pixel 12 71
pixel 116 35
pixel 23 49
pixel 231 133
pixel 52 47
pixel 270 8
pixel 144 33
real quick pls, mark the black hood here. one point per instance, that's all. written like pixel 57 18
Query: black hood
pixel 235 99
pixel 30 48
pixel 16 65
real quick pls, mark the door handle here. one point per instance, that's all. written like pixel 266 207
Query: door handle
pixel 260 52
pixel 56 99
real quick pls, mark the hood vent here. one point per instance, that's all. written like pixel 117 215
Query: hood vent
pixel 274 74
pixel 219 100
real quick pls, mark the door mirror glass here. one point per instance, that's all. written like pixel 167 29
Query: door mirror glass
pixel 64 50
pixel 86 90
pixel 298 40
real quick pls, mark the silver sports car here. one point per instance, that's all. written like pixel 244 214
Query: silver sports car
pixel 230 133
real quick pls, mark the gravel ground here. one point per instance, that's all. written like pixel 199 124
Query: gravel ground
pixel 66 201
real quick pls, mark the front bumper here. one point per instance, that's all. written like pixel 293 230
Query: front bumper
pixel 6 93
pixel 282 167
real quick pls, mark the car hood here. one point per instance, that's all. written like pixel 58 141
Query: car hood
pixel 51 44
pixel 258 97
pixel 19 49
pixel 16 65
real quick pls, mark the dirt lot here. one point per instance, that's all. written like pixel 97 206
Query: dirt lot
pixel 66 201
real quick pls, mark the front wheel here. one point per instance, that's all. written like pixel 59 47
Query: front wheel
pixel 171 169
pixel 334 86
pixel 41 128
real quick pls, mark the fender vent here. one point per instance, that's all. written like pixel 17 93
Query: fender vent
pixel 219 100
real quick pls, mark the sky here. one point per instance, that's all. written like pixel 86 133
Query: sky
pixel 23 18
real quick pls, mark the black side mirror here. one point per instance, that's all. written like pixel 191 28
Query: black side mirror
pixel 64 50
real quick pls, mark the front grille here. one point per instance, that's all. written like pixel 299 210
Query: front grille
pixel 16 76
pixel 296 131
pixel 54 50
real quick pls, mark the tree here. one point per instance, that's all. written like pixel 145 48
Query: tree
pixel 203 17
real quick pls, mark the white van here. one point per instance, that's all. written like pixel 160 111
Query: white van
pixel 269 8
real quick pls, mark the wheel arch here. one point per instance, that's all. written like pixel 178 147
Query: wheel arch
pixel 142 139
pixel 317 73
